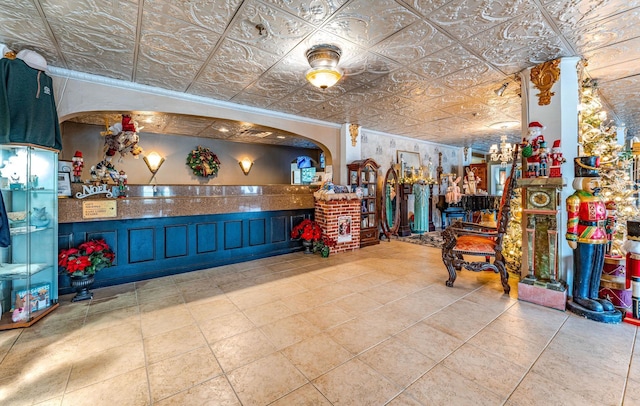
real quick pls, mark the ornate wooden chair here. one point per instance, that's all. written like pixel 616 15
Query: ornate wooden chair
pixel 462 238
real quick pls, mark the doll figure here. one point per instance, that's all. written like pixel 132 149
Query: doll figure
pixel 543 159
pixel 453 194
pixel 472 181
pixel 78 164
pixel 531 147
pixel 122 184
pixel 555 170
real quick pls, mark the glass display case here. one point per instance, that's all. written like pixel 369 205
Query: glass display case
pixel 363 180
pixel 28 234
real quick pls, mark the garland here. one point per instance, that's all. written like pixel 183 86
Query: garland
pixel 203 162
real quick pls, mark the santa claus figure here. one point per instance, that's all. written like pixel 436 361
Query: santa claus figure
pixel 530 149
pixel 555 170
pixel 78 164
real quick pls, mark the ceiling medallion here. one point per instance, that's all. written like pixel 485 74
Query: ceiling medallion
pixel 543 77
pixel 324 60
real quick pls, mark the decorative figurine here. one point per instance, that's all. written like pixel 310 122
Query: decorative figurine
pixel 472 181
pixel 122 184
pixel 555 170
pixel 543 168
pixel 78 164
pixel 453 194
pixel 530 149
pixel 587 236
pixel 632 248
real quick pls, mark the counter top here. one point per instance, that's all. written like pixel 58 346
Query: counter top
pixel 192 200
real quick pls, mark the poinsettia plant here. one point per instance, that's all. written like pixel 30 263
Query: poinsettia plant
pixel 307 230
pixel 87 259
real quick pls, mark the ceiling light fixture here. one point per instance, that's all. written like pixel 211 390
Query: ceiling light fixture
pixel 504 154
pixel 501 89
pixel 324 60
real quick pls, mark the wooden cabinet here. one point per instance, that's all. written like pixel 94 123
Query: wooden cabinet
pixel 481 172
pixel 363 176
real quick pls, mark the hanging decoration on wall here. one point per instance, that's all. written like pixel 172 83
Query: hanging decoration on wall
pixel 122 138
pixel 543 77
pixel 203 162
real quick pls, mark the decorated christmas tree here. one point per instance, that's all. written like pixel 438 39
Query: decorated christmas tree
pixel 599 137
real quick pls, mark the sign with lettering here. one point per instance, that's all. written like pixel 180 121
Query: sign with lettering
pixel 93 209
pixel 90 190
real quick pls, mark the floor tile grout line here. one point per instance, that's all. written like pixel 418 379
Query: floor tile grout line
pixel 631 359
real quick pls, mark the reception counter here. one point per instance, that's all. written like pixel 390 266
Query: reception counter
pixel 172 229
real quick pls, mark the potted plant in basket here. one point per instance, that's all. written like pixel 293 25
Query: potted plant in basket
pixel 308 231
pixel 82 263
pixel 324 245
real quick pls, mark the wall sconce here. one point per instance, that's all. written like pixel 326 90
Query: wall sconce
pixel 154 161
pixel 246 164
pixel 501 89
pixel 324 70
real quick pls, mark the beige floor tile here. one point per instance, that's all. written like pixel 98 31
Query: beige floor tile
pixel 98 321
pixel 288 331
pixel 173 375
pixel 92 341
pixel 397 361
pixel 595 384
pixel 268 313
pixel 478 365
pixel 357 335
pixel 357 303
pixel 632 393
pixel 316 355
pixel 130 388
pixel 145 295
pixel 162 303
pixel 441 386
pixel 387 292
pixel 113 291
pixel 215 392
pixel 242 349
pixel 104 365
pixel 225 326
pixel 172 343
pixel 303 302
pixel 265 380
pixel 429 341
pixel 34 384
pixel 327 316
pixel 186 277
pixel 462 319
pixel 307 395
pixel 507 346
pixel 528 330
pixel 251 298
pixel 165 319
pixel 110 303
pixel 155 283
pixel 403 400
pixel 548 390
pixel 209 308
pixel 56 401
pixel 356 383
pixel 310 281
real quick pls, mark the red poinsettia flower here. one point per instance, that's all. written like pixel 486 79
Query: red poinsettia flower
pixel 87 259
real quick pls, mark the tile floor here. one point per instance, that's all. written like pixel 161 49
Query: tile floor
pixel 372 327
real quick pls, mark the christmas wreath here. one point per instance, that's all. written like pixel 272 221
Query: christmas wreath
pixel 203 162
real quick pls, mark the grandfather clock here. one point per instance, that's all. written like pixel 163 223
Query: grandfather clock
pixel 540 218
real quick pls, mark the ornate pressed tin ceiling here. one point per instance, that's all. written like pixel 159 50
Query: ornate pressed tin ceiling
pixel 425 69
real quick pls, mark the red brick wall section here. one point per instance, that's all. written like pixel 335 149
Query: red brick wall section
pixel 327 213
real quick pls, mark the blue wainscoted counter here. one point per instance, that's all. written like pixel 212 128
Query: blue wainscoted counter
pixel 179 228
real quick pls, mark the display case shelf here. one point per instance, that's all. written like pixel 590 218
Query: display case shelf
pixel 28 254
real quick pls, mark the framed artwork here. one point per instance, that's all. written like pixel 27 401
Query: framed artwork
pixel 64 184
pixel 411 159
pixel 344 229
pixel 65 166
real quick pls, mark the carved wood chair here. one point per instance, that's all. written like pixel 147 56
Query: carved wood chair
pixel 462 239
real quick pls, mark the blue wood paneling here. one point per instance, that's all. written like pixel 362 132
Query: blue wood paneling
pixel 257 232
pixel 232 234
pixel 183 243
pixel 176 241
pixel 206 237
pixel 142 245
pixel 279 229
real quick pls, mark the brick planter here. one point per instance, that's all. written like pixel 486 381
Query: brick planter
pixel 329 209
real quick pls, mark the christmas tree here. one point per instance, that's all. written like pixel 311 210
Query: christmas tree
pixel 599 137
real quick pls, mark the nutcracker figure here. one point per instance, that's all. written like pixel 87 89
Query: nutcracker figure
pixel 587 236
pixel 78 164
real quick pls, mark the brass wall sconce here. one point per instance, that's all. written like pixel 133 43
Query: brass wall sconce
pixel 246 164
pixel 154 161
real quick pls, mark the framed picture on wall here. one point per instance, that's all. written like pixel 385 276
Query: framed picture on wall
pixel 64 184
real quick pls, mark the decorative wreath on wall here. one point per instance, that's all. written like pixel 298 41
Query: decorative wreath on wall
pixel 203 162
